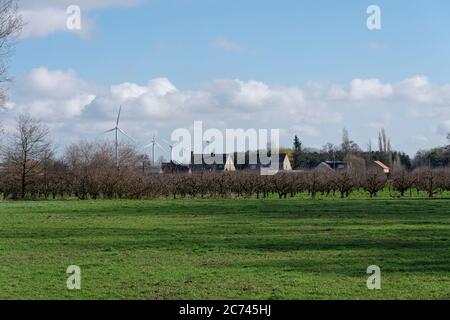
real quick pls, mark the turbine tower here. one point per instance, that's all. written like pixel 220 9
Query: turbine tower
pixel 116 130
pixel 154 144
pixel 171 147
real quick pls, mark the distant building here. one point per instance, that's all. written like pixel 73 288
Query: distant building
pixel 235 162
pixel 379 166
pixel 211 163
pixel 324 167
pixel 174 168
pixel 338 165
pixel 341 165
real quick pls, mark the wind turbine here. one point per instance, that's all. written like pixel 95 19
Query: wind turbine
pixel 154 144
pixel 116 129
pixel 171 147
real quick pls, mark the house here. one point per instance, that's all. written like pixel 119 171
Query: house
pixel 329 166
pixel 323 167
pixel 211 162
pixel 235 162
pixel 336 165
pixel 378 166
pixel 174 167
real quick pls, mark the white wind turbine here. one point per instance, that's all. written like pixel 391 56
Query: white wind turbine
pixel 116 129
pixel 171 147
pixel 154 144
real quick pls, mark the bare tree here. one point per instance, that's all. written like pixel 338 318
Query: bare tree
pixel 345 181
pixel 27 149
pixel 374 182
pixel 427 179
pixel 10 26
pixel 349 146
pixel 401 180
pixel 385 147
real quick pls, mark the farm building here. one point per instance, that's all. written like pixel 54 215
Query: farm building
pixel 378 166
pixel 324 167
pixel 212 162
pixel 332 165
pixel 341 165
pixel 235 162
pixel 173 167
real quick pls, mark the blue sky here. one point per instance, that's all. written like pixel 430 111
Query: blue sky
pixel 285 42
pixel 313 47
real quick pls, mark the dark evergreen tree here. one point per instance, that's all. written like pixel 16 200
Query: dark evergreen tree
pixel 297 153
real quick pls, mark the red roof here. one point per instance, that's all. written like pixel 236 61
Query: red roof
pixel 382 165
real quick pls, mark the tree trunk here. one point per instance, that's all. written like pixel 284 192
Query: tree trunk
pixel 23 184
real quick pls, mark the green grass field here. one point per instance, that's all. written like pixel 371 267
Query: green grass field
pixel 226 249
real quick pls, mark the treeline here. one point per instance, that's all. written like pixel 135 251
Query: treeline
pixel 97 179
pixel 29 169
pixel 350 152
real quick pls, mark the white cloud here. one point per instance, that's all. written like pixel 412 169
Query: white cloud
pixel 56 84
pixel 46 17
pixel 226 45
pixel 420 89
pixel 220 99
pixel 362 89
pixel 417 88
pixel 52 95
pixel 326 90
pixel 129 91
pixel 76 107
pixel 62 97
pixel 40 23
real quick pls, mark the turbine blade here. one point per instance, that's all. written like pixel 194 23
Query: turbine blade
pixel 121 131
pixel 118 116
pixel 160 146
pixel 167 143
pixel 108 131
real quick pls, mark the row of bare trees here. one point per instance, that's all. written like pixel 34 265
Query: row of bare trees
pixel 29 169
pixel 96 179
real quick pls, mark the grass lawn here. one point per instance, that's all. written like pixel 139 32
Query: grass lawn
pixel 226 249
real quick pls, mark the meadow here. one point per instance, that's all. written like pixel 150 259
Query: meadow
pixel 226 249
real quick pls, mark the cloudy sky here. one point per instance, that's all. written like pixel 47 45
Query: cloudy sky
pixel 307 67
